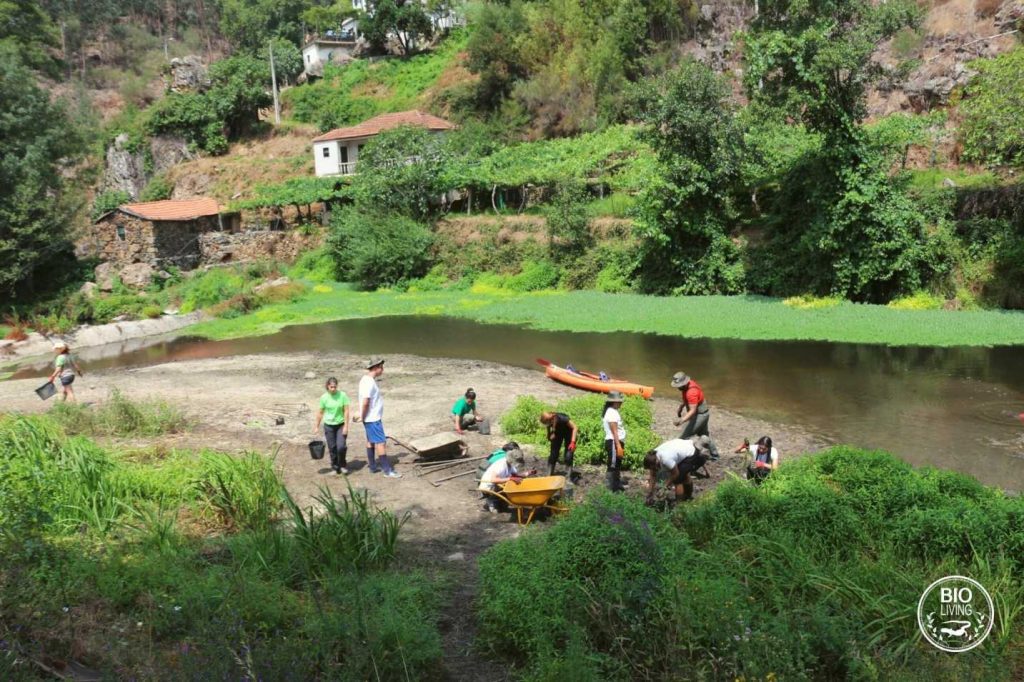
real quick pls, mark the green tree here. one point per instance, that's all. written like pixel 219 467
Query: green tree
pixel 840 224
pixel 321 17
pixel 26 29
pixel 240 87
pixel 992 107
pixel 402 171
pixel 568 221
pixel 36 142
pixel 249 24
pixel 403 20
pixel 376 249
pixel 683 222
pixel 287 60
pixel 492 50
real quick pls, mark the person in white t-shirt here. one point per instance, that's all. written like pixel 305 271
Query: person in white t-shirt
pixel 677 458
pixel 765 458
pixel 498 473
pixel 614 440
pixel 371 413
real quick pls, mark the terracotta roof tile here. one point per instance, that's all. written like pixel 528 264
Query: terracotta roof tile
pixel 379 124
pixel 184 209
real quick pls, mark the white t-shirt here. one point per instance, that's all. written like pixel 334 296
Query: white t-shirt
pixel 368 388
pixel 500 469
pixel 774 454
pixel 612 416
pixel 672 452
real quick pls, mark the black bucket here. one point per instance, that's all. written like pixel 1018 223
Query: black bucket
pixel 316 449
pixel 47 390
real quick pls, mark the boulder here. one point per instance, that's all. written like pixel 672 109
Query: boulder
pixel 137 275
pixel 125 169
pixel 89 289
pixel 272 283
pixel 188 74
pixel 105 274
pixel 1010 16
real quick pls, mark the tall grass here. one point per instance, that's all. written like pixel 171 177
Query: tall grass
pixel 120 416
pixel 104 554
pixel 739 317
pixel 815 574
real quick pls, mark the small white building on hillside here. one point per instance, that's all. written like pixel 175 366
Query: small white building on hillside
pixel 336 152
pixel 333 46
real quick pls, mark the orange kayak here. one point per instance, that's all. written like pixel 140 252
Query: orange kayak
pixel 592 382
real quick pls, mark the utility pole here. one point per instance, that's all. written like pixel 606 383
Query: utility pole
pixel 273 85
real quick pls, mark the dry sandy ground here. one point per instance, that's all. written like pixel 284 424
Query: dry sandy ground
pixel 234 402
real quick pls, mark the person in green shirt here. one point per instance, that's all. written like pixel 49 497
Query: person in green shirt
pixel 464 411
pixel 65 368
pixel 334 413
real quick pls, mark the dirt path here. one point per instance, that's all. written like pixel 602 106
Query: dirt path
pixel 234 402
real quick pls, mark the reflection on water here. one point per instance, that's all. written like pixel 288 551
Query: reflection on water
pixel 951 407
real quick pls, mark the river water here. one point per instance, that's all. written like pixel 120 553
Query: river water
pixel 956 408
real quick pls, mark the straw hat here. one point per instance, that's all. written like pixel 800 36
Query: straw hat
pixel 373 362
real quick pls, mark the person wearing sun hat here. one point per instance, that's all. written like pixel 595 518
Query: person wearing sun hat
pixel 695 421
pixel 65 367
pixel 614 439
pixel 371 413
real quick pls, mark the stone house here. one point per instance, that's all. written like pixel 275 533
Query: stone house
pixel 336 152
pixel 159 233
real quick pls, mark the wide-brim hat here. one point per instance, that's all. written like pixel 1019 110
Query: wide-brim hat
pixel 680 379
pixel 701 443
pixel 373 362
pixel 59 345
pixel 615 397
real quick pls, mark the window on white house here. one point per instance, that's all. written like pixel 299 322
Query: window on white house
pixel 327 152
pixel 120 233
pixel 307 59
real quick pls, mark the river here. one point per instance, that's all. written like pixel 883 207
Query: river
pixel 956 408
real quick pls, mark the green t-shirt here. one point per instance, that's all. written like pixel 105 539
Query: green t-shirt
pixel 462 407
pixel 334 407
pixel 64 364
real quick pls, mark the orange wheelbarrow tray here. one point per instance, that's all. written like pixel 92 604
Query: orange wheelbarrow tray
pixel 531 494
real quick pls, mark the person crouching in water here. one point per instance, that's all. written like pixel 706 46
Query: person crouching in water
pixel 614 440
pixel 562 433
pixel 334 413
pixel 766 458
pixel 677 458
pixel 65 367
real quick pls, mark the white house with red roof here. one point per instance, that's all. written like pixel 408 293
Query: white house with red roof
pixel 337 152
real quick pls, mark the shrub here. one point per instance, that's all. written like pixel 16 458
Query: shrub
pixel 535 276
pixel 568 221
pixel 375 250
pixel 213 286
pixel 522 424
pixel 591 578
pixel 316 265
pixel 992 101
pixel 108 201
pixel 922 300
pixel 156 189
pixel 152 311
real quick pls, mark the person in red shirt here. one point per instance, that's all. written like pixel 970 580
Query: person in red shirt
pixel 695 421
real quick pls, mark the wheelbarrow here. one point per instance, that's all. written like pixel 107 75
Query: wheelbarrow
pixel 435 447
pixel 530 495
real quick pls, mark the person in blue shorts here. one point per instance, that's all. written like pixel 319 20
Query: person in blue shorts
pixel 371 413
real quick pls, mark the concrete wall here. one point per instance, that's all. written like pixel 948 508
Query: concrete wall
pixel 332 164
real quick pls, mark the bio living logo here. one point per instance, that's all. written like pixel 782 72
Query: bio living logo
pixel 955 613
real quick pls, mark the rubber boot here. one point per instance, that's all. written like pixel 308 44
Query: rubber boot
pixel 371 458
pixel 551 468
pixel 687 492
pixel 617 486
pixel 611 481
pixel 569 475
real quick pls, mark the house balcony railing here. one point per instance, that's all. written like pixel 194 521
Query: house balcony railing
pixel 347 168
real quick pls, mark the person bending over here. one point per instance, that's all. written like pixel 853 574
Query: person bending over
pixel 562 433
pixel 501 471
pixel 678 458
